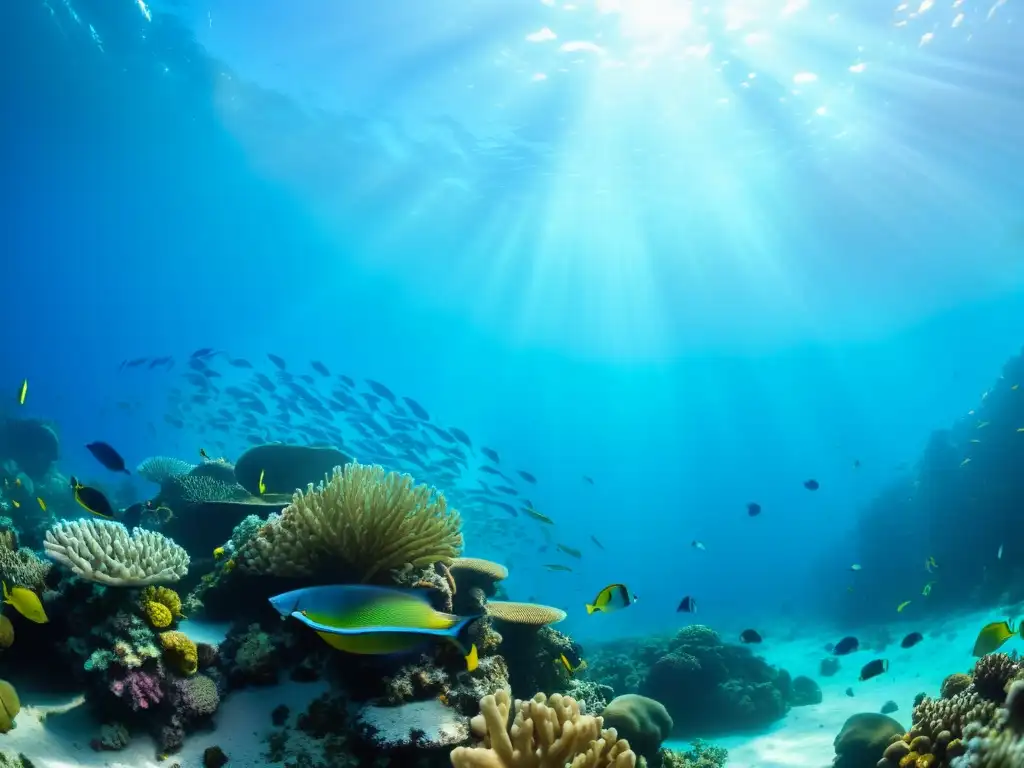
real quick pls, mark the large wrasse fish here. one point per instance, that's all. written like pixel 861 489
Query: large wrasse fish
pixel 373 620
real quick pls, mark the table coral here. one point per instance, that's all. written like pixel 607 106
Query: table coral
pixel 546 733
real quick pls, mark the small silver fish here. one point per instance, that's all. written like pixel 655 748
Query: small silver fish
pixel 698 545
pixel 999 554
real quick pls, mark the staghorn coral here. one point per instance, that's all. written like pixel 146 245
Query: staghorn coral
pixel 361 518
pixel 102 551
pixel 141 688
pixel 546 733
pixel 161 469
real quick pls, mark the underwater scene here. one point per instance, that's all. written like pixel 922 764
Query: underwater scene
pixel 512 384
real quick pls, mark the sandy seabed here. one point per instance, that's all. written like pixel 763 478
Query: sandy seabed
pixel 55 732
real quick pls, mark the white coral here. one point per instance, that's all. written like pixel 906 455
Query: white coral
pixel 104 552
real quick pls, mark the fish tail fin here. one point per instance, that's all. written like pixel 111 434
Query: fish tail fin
pixel 472 659
pixel 591 608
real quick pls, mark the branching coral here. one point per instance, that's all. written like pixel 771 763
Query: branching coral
pixel 546 733
pixel 1000 745
pixel 370 520
pixel 104 552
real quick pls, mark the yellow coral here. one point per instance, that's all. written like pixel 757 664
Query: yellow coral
pixel 158 615
pixel 362 517
pixel 180 651
pixel 165 596
pixel 925 761
pixel 909 760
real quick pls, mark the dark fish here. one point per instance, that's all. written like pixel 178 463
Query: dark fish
pixel 92 500
pixel 687 605
pixel 856 463
pixel 911 640
pixel 461 436
pixel 526 476
pixel 849 692
pixel 346 381
pixel 753 509
pixel 750 636
pixel 873 669
pixel 598 543
pixel 380 389
pixel 588 479
pixel 201 353
pixel 278 361
pixel 491 471
pixel 570 551
pixel 506 490
pixel 417 410
pixel 811 485
pixel 135 363
pixel 320 368
pixel 239 362
pixel 491 454
pixel 845 646
pixel 108 457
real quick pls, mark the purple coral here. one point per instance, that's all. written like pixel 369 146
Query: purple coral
pixel 139 687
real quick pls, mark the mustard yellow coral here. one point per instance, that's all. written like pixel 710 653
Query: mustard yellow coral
pixel 158 615
pixel 165 596
pixel 180 651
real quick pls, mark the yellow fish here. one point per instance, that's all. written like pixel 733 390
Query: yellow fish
pixel 263 486
pixel 42 504
pixel 965 462
pixel 17 504
pixel 930 563
pixel 901 606
pixel 218 553
pixel 927 589
pixel 569 667
pixel 992 636
pixel 23 392
pixel 614 597
pixel 26 602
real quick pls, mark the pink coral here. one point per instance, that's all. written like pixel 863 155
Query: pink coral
pixel 140 688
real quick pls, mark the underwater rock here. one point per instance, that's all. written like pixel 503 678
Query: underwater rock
pixel 31 444
pixel 286 468
pixel 805 692
pixel 641 721
pixel 863 739
pixel 421 724
pixel 214 757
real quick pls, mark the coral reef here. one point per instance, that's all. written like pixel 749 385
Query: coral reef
pixel 1001 743
pixel 161 469
pixel 104 552
pixel 361 519
pixel 700 755
pixel 863 738
pixel 545 733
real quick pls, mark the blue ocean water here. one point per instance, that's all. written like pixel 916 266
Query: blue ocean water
pixel 698 253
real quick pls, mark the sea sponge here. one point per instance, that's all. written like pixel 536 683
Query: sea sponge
pixel 180 651
pixel 526 614
pixel 165 596
pixel 370 520
pixel 643 722
pixel 954 684
pixel 103 551
pixel 546 733
pixel 10 706
pixel 158 615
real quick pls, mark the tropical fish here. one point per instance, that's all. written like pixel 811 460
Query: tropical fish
pixel 965 462
pixel 491 454
pixel 992 636
pixel 849 692
pixel 538 516
pixel 526 476
pixel 847 645
pixel 999 554
pixel 558 567
pixel 218 553
pixel 753 509
pixel 92 500
pixel 278 361
pixel 855 567
pixel 373 620
pixel 42 504
pixel 598 543
pixel 698 545
pixel 750 636
pixel 569 667
pixel 873 669
pixel 927 589
pixel 930 564
pixel 570 551
pixel 262 486
pixel 588 480
pixel 901 606
pixel 16 503
pixel 614 597
pixel 320 368
pixel 911 640
pixel 26 602
pixel 417 410
pixel 107 456
pixel 687 605
pixel 982 424
pixel 811 485
pixel 23 392
pixel 204 454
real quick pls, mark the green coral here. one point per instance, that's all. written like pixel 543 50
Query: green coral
pixel 362 519
pixel 126 641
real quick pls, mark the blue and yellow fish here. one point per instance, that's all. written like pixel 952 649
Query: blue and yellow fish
pixel 373 620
